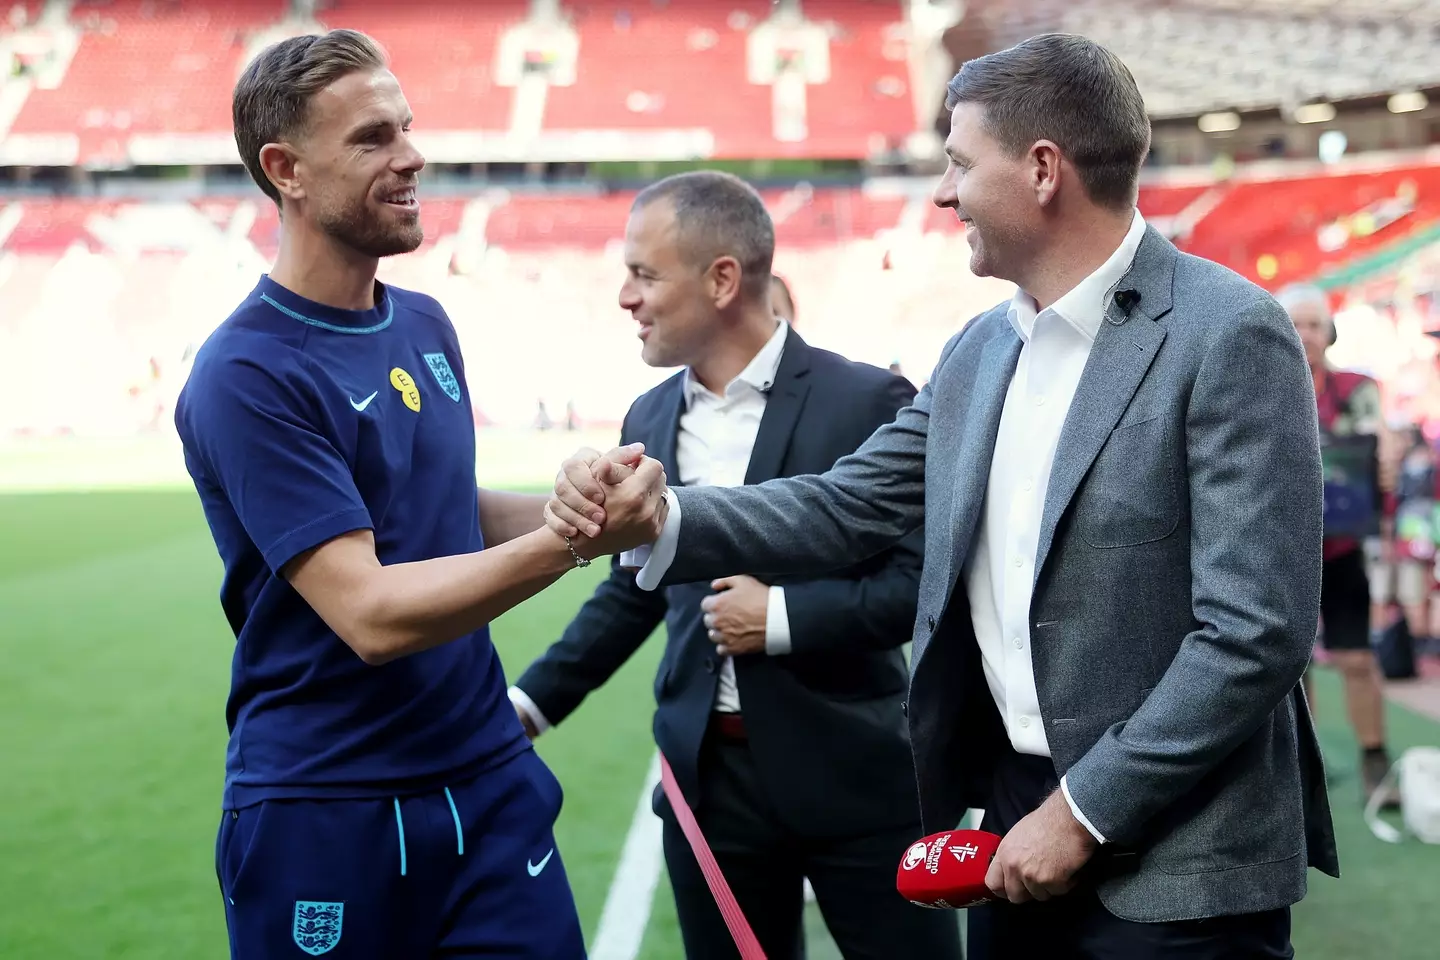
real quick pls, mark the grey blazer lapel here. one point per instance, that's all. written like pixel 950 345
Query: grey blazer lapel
pixel 971 456
pixel 1124 348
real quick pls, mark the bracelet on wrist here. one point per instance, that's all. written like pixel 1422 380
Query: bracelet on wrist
pixel 579 560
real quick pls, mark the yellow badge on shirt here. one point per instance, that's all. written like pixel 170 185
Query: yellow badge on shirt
pixel 405 383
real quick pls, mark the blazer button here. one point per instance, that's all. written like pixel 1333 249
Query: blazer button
pixel 931 622
pixel 709 664
pixel 905 708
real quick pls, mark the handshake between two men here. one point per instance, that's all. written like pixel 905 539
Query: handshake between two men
pixel 608 503
pixel 612 503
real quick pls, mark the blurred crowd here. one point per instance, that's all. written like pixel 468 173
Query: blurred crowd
pixel 1390 331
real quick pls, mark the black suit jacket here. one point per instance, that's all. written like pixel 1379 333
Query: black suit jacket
pixel 825 722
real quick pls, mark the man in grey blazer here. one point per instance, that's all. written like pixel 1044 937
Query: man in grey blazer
pixel 1118 474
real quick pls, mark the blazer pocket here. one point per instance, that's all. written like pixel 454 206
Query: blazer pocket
pixel 1130 496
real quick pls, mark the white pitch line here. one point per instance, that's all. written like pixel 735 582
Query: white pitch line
pixel 632 891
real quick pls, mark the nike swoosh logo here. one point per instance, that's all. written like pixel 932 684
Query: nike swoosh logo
pixel 363 403
pixel 534 868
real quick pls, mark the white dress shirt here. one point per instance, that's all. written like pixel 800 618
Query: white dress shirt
pixel 713 447
pixel 1000 570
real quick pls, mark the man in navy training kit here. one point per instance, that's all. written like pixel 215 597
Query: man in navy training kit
pixel 381 799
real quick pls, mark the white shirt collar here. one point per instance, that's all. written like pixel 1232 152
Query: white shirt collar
pixel 1083 306
pixel 758 375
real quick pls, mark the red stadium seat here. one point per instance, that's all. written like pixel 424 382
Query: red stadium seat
pixel 444 54
pixel 148 67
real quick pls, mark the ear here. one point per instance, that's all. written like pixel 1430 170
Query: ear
pixel 1044 174
pixel 724 280
pixel 278 161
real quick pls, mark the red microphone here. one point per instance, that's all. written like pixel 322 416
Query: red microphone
pixel 947 870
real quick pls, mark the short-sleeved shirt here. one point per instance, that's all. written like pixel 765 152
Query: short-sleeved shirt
pixel 301 422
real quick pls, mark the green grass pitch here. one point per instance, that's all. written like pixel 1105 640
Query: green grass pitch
pixel 116 661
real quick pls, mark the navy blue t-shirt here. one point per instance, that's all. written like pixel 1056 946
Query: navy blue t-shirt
pixel 301 422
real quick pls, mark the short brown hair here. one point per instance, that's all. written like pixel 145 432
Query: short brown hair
pixel 272 97
pixel 1073 92
pixel 719 215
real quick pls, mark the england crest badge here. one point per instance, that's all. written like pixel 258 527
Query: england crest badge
pixel 317 925
pixel 443 375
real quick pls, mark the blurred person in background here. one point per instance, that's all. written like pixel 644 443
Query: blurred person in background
pixel 1416 485
pixel 1349 405
pixel 380 796
pixel 780 299
pixel 779 702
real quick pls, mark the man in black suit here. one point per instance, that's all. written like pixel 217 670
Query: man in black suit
pixel 779 705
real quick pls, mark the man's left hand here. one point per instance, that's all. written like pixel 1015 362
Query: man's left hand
pixel 1039 857
pixel 735 617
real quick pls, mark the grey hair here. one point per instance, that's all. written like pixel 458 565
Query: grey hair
pixel 1305 294
pixel 272 97
pixel 719 215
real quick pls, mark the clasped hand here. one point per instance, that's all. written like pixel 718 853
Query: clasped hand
pixel 608 503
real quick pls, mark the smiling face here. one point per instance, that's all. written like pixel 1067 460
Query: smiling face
pixel 355 168
pixel 665 292
pixel 987 189
pixel 1046 142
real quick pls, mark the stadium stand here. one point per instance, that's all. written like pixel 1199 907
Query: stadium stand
pixel 538 222
pixel 128 80
pixel 1278 229
pixel 53 226
pixel 875 271
pixel 445 52
pixel 617 89
pixel 146 67
pixel 873 265
pixel 864 106
pixel 1230 55
pixel 1238 58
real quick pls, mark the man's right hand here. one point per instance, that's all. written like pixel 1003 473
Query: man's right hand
pixel 634 508
pixel 578 503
